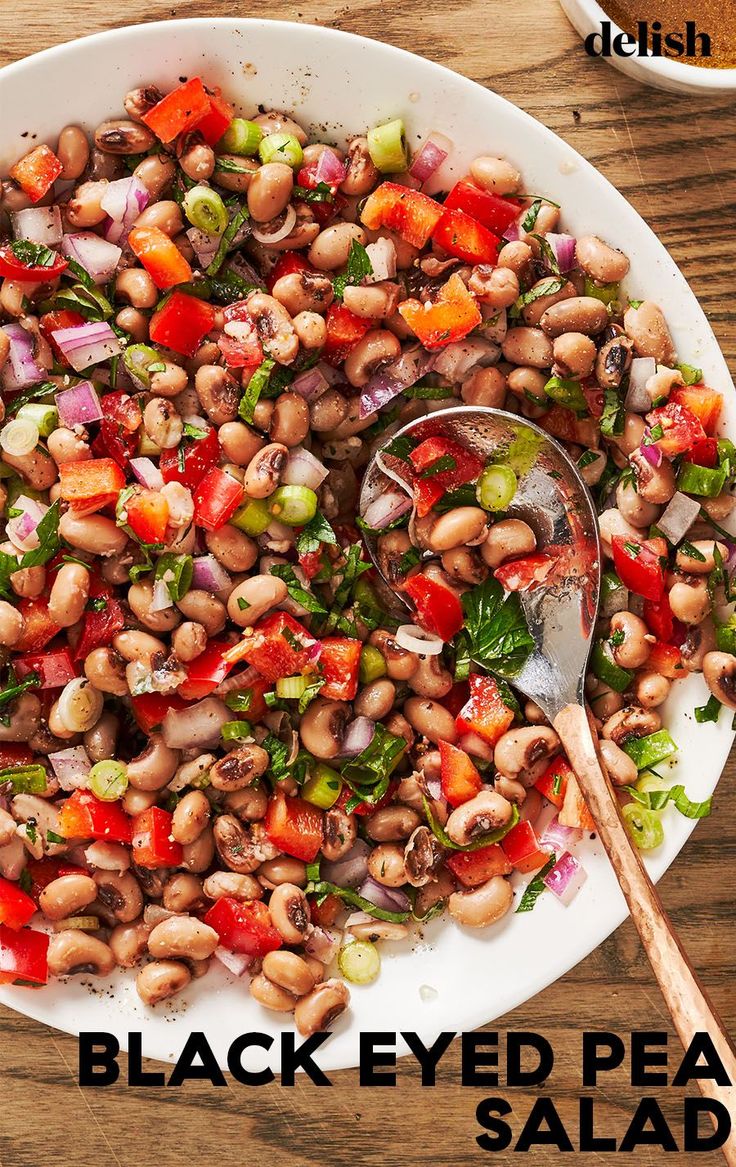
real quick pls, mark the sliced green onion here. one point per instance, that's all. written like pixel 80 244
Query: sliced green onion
pixel 137 358
pixel 359 962
pixel 644 826
pixel 44 417
pixel 205 210
pixel 291 688
pixel 20 436
pixel 80 923
pixel 372 664
pixel 607 293
pixel 30 779
pixel 281 148
pixel 567 393
pixel 704 481
pixel 496 488
pixel 241 137
pixel 108 780
pixel 253 517
pixel 387 147
pixel 605 668
pixel 147 448
pixel 176 571
pixel 650 784
pixel 650 751
pixel 235 731
pixel 293 505
pixel 323 786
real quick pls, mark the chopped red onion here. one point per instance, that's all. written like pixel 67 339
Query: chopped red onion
pixel 303 469
pixel 476 746
pixel 430 157
pixel 330 168
pixel 557 837
pixel 87 344
pixel 564 248
pixel 21 530
pixel 314 650
pixel 79 405
pixel 236 963
pixel 197 725
pixel 386 509
pixel 161 599
pixel 276 236
pixel 38 225
pixel 457 360
pixel 678 517
pixel 351 869
pixel 123 201
pixel 310 385
pixel 566 878
pixel 513 231
pixel 98 257
pixel 147 473
pixel 358 736
pixel 637 399
pixel 650 450
pixel 434 787
pixel 209 575
pixel 382 255
pixel 390 899
pixel 402 373
pixel 21 368
pixel 71 767
pixel 417 640
pixel 204 245
pixel 322 944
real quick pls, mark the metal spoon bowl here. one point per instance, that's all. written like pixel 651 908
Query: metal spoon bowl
pixel 561 612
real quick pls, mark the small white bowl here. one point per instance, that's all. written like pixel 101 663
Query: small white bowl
pixel 661 72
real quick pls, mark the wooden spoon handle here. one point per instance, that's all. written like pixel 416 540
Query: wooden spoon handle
pixel 686 999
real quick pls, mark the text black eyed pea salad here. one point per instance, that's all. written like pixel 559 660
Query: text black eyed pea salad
pixel 214 742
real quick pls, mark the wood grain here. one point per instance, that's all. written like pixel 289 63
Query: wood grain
pixel 675 160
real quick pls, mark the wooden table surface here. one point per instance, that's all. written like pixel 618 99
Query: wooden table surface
pixel 675 160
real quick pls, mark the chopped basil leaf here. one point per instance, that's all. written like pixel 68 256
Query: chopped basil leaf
pixel 690 375
pixel 536 886
pixel 320 193
pixel 708 712
pixel 613 416
pixel 446 462
pixel 33 254
pixel 358 268
pixel 239 217
pixel 497 629
pixel 254 389
pixel 658 800
pixel 296 589
pixel 316 532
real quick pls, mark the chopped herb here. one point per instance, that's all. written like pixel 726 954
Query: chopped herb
pixel 278 754
pixel 446 462
pixel 635 303
pixel 243 604
pixel 32 394
pixel 617 638
pixel 369 773
pixel 613 416
pixel 497 629
pixel 400 447
pixel 634 549
pixel 323 889
pixel 358 268
pixel 689 374
pixel 320 193
pixel 483 840
pixel 296 589
pixel 52 837
pixel 316 532
pixel 536 886
pixel 708 712
pixel 236 222
pixel 192 431
pixel 692 552
pixel 464 496
pixel 409 559
pixel 530 218
pixel 587 459
pixel 255 388
pixel 546 287
pixel 33 254
pixel 428 393
pixel 310 693
pixel 48 539
pixel 658 800
pixel 240 701
pixel 548 254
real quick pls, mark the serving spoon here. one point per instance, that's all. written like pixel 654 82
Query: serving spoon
pixel 561 613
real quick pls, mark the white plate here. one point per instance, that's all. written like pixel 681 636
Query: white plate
pixel 345 84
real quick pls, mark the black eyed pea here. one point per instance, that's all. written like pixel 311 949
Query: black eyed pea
pixel 495 174
pixel 218 393
pixel 430 719
pixel 7 828
pixel 331 248
pixel 690 601
pixel 197 856
pixel 600 261
pixel 704 562
pixel 655 484
pixel 236 846
pixel 29 581
pixel 169 381
pixel 189 640
pixel 11 624
pixel 289 423
pixel 464 566
pixel 281 870
pixel 198 161
pixel 340 832
pixel 304 291
pixel 232 548
pixel 376 349
pixel 317 1010
pixel 375 930
pixel 630 646
pixel 132 320
pixel 496 286
pixel 372 301
pixel 4 354
pixel 485 387
pixel 228 883
pixel 271 995
pixel 311 329
pixel 36 468
pixel 25 715
pixel 252 598
pixel 720 507
pixel 205 609
pixel 165 214
pixel 290 913
pixel 269 191
pixel 121 893
pixel 400 663
pixel 239 768
pixel 482 905
pixel 154 767
pixel 648 329
pixel 510 789
pixel 431 679
pixel 507 540
pixel 719 672
pixel 361 175
pixel 73 952
pixel 138 102
pixel 516 257
pixel 129 942
pixel 83 208
pixel 461 527
pixel 65 446
pixel 274 326
pixel 239 180
pixel 72 150
pixel 134 645
pixel 519 750
pixel 386 865
pixel 533 312
pixel 613 362
pixel 375 700
pixel 315 150
pixel 631 722
pixel 262 415
pixel 135 286
pixel 322 727
pixel 528 346
pixel 79 705
pixel 651 689
pixel 635 509
pixel 250 804
pixel 100 741
pixel 328 411
pixel 156 172
pixel 275 121
pixel 182 937
pixel 191 816
pixel 592 472
pixel 392 824
pixel 239 443
pixel 94 533
pixel 584 314
pixel 289 972
pixel 481 814
pixel 621 769
pixel 162 423
pixel 161 979
pixel 574 354
pixel 136 801
pixel 66 895
pixel 140 598
pixel 118 136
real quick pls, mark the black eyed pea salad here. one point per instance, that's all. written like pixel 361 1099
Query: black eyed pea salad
pixel 215 744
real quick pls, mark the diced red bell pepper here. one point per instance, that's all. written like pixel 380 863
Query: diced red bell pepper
pixel 149 709
pixel 214 123
pixel 438 608
pixel 485 712
pixel 489 209
pixel 521 848
pixel 118 433
pixel 89 486
pixel 182 109
pixel 410 213
pixel 465 238
pixel 257 706
pixel 520 575
pixel 553 783
pixel 472 868
pixel 324 914
pixel 638 566
pixel 703 452
pixel 206 672
pixel 54 669
pixel 152 845
pixel 294 825
pixel 564 424
pixel 365 808
pixel 99 627
pixel 574 811
pixel 244 926
pixel 52 322
pixel 38 627
pixel 14 269
pixel 23 956
pixel 147 514
pixel 15 754
pixel 44 871
pixel 182 323
pixel 216 499
pixel 344 330
pixel 160 257
pixel 450 317
pixel 239 343
pixel 328 208
pixel 191 461
pixel 278 647
pixel 706 404
pixel 657 616
pixel 681 428
pixel 286 264
pixel 457 697
pixel 459 777
pixel 16 908
pixel 666 659
pixel 83 816
pixel 430 489
pixel 37 172
pixel 339 663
